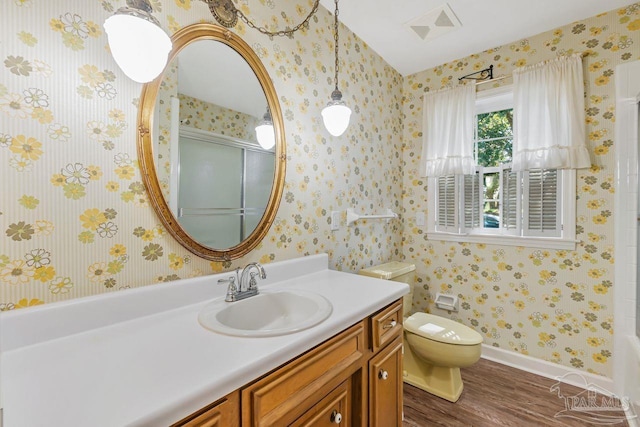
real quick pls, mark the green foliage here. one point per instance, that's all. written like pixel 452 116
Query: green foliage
pixel 495 136
pixel 492 151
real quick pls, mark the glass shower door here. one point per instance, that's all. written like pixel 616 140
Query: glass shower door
pixel 210 192
pixel 638 239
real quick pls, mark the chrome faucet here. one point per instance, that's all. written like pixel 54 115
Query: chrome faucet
pixel 232 289
pixel 253 284
pixel 247 285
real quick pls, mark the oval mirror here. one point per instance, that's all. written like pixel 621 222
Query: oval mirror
pixel 211 144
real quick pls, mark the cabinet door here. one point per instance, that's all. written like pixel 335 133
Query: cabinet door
pixel 284 395
pixel 223 413
pixel 385 386
pixel 386 325
pixel 333 410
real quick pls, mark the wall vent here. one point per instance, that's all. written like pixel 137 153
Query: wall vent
pixel 434 23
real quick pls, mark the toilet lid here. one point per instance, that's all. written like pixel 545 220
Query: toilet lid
pixel 441 329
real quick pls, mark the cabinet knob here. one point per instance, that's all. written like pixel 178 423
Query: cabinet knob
pixel 383 375
pixel 390 325
pixel 336 417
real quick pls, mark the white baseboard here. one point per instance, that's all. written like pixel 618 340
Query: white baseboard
pixel 543 368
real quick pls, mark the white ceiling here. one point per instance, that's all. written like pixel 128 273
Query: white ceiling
pixel 485 25
pixel 213 72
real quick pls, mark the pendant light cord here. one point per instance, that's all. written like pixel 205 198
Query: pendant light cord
pixel 286 32
pixel 336 114
pixel 335 39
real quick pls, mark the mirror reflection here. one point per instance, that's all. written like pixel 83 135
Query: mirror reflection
pixel 214 174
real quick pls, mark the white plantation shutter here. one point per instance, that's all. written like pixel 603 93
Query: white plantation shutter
pixel 541 203
pixel 472 193
pixel 446 209
pixel 511 192
pixel 536 206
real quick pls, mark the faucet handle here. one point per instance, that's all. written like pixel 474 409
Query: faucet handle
pixel 253 283
pixel 232 290
pixel 231 281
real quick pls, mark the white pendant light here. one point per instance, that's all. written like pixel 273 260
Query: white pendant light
pixel 138 44
pixel 336 114
pixel 265 133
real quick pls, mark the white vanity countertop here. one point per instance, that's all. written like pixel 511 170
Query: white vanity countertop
pixel 140 358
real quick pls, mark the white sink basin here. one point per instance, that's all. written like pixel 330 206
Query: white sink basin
pixel 269 313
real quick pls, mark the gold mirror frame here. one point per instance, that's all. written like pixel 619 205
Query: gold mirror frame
pixel 148 96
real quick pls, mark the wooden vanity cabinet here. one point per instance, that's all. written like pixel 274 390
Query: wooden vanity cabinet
pixel 385 386
pixel 222 413
pixel 300 386
pixel 386 325
pixel 352 379
pixel 385 367
pixel 334 409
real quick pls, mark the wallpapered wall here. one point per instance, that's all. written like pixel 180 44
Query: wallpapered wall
pixel 75 219
pixel 553 305
pixel 214 118
pixel 162 125
pixel 74 216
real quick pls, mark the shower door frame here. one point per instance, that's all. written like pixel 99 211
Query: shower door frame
pixel 626 363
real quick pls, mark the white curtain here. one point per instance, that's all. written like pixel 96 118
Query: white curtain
pixel 447 134
pixel 548 110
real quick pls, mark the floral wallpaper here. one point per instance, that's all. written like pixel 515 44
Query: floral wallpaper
pixel 553 305
pixel 162 125
pixel 214 118
pixel 75 218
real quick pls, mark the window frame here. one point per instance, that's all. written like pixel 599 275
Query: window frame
pixel 495 100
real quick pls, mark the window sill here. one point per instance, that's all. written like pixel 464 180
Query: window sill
pixel 529 242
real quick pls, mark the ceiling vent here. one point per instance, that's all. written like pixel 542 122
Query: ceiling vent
pixel 434 23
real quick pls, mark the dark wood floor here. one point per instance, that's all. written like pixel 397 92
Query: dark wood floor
pixel 496 395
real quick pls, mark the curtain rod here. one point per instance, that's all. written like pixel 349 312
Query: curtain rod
pixel 486 74
pixel 492 80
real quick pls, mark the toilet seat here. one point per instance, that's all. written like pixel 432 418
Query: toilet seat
pixel 441 329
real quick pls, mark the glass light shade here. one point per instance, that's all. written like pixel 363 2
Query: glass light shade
pixel 266 135
pixel 336 117
pixel 139 47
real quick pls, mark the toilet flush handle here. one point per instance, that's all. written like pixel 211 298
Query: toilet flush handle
pixel 390 325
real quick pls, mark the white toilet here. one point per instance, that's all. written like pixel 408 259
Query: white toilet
pixel 435 347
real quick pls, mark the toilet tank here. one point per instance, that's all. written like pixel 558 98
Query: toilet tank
pixel 397 272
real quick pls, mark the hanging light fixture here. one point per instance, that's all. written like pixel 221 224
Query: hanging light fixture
pixel 226 13
pixel 265 132
pixel 336 114
pixel 138 44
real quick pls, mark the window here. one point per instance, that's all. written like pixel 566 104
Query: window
pixel 497 205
